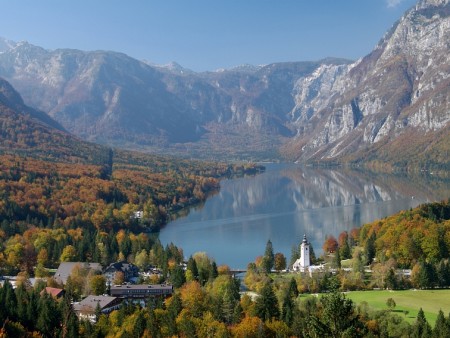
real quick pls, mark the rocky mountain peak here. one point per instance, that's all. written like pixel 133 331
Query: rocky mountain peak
pixel 330 110
pixel 428 3
pixel 6 44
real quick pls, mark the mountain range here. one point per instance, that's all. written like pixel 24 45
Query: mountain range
pixel 389 106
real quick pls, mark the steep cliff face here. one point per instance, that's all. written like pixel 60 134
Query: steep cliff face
pixel 403 85
pixel 392 105
pixel 112 98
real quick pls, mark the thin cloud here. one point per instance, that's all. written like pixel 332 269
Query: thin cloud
pixel 393 3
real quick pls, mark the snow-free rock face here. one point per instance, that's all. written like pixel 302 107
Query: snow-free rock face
pixel 391 104
pixel 403 84
pixel 111 98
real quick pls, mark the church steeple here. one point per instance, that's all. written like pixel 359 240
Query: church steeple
pixel 304 253
pixel 304 239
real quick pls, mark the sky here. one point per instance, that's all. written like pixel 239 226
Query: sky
pixel 205 35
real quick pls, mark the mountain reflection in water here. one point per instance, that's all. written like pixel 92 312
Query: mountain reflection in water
pixel 288 201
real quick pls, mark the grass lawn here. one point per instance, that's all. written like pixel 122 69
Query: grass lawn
pixel 431 301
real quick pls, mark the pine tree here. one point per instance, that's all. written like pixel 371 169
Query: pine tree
pixel 213 273
pixel 98 311
pixel 421 328
pixel 287 310
pixel 337 260
pixel 391 280
pixel 338 315
pixel 22 303
pixel 153 327
pixel 266 306
pixel 32 309
pixel 47 315
pixel 269 257
pixel 344 250
pixel 441 327
pixel 369 249
pixel 237 313
pixel 293 288
pixel 139 324
pixel 10 301
pixel 70 324
pixel 295 254
pixel 443 273
pixel 228 306
pixel 177 277
pixel 192 266
pixel 312 255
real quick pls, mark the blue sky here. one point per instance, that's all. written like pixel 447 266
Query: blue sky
pixel 205 34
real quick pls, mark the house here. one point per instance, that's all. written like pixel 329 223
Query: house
pixel 86 309
pixel 129 270
pixel 138 214
pixel 141 291
pixel 65 269
pixel 54 292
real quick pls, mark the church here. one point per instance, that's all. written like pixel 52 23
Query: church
pixel 303 263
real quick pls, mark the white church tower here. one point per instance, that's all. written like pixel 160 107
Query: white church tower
pixel 303 263
pixel 304 253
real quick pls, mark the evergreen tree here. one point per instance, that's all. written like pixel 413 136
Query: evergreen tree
pixel 177 277
pixel 295 254
pixel 237 313
pixel 48 315
pixel 139 324
pixel 213 273
pixel 344 249
pixel 10 301
pixel 22 304
pixel 293 288
pixel 369 249
pixel 312 255
pixel 153 327
pixel 228 306
pixel 338 316
pixel 287 310
pixel 266 306
pixel 269 257
pixel 98 311
pixel 421 328
pixel 443 274
pixel 192 266
pixel 441 327
pixel 337 260
pixel 70 324
pixel 391 280
pixel 32 309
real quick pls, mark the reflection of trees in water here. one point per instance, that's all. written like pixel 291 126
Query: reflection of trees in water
pixel 288 201
pixel 318 188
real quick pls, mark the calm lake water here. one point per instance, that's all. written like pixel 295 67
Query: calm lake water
pixel 288 201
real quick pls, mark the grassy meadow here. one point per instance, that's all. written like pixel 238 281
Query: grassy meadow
pixel 431 301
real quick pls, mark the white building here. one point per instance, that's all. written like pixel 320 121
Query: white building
pixel 303 263
pixel 139 214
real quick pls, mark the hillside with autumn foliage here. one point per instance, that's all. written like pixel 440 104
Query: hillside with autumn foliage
pixel 50 179
pixel 411 236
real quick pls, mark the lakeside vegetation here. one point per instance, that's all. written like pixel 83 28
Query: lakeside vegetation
pixel 81 208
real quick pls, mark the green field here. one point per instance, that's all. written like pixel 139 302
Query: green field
pixel 431 301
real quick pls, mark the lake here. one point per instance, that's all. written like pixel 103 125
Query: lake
pixel 288 201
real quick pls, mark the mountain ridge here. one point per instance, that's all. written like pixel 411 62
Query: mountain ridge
pixel 331 110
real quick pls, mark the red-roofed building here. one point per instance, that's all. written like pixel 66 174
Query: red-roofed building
pixel 54 292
